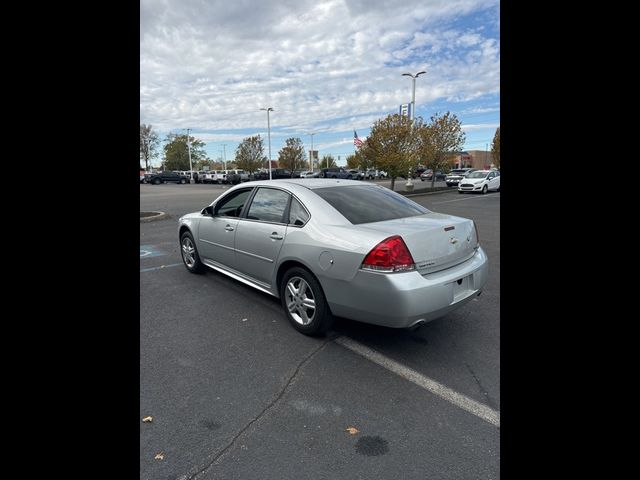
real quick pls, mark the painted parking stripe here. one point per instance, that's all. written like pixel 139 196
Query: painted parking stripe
pixel 148 251
pixel 159 267
pixel 478 409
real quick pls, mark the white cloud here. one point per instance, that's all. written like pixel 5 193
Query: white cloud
pixel 212 65
pixel 479 126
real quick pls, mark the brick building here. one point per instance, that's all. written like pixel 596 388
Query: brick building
pixel 479 159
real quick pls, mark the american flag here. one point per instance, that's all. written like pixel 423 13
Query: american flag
pixel 356 141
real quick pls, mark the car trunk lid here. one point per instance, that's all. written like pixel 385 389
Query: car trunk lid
pixel 436 241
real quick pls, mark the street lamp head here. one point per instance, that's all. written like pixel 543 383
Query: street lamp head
pixel 269 109
pixel 413 76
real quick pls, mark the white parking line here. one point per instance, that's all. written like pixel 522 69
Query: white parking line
pixel 478 409
pixel 468 198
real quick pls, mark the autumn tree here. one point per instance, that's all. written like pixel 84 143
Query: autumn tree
pixel 176 152
pixel 292 156
pixel 250 154
pixel 495 148
pixel 390 146
pixel 438 141
pixel 328 161
pixel 149 142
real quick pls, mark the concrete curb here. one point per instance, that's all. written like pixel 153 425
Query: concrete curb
pixel 423 192
pixel 152 216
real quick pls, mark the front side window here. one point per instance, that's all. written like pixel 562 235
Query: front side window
pixel 268 205
pixel 231 206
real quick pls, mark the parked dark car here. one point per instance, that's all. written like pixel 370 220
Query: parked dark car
pixel 335 172
pixel 165 177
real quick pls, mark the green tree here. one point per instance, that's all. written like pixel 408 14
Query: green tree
pixel 149 142
pixel 328 161
pixel 353 161
pixel 250 154
pixel 176 152
pixel 200 164
pixel 439 141
pixel 292 156
pixel 390 146
pixel 495 148
pixel 365 158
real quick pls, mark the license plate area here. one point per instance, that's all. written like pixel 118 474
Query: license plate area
pixel 462 287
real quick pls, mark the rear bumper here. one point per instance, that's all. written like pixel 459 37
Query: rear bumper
pixel 403 300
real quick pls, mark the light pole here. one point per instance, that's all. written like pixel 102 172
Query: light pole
pixel 486 153
pixel 190 164
pixel 311 156
pixel 413 113
pixel 224 154
pixel 413 95
pixel 269 109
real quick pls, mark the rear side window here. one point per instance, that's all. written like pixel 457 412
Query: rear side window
pixel 297 214
pixel 268 205
pixel 362 204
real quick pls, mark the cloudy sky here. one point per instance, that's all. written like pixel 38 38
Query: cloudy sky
pixel 324 66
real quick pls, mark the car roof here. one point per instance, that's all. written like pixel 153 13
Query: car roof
pixel 310 183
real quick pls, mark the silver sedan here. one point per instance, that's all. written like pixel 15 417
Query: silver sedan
pixel 338 247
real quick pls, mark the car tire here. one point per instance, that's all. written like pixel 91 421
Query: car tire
pixel 498 188
pixel 183 181
pixel 485 189
pixel 189 253
pixel 156 181
pixel 298 286
pixel 460 191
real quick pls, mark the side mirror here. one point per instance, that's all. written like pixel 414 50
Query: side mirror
pixel 207 211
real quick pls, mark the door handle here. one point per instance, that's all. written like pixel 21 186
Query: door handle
pixel 229 228
pixel 275 236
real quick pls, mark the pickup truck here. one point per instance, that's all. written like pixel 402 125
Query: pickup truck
pixel 236 176
pixel 165 177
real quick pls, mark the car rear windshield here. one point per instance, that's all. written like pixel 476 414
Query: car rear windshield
pixel 364 204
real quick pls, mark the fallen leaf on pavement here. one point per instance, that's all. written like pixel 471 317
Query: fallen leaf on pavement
pixel 352 430
pixel 159 456
pixel 147 419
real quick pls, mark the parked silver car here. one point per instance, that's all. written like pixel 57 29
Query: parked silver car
pixel 338 247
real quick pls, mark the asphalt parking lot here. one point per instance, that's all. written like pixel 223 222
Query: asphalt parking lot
pixel 236 392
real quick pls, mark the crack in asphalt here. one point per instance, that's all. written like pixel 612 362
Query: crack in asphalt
pixel 490 401
pixel 483 391
pixel 269 407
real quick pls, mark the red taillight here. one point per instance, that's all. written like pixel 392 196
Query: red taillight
pixel 390 255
